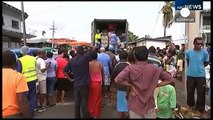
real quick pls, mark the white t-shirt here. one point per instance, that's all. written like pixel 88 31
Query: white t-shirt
pixel 207 69
pixel 117 58
pixel 40 64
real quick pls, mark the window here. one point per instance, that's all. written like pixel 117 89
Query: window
pixel 206 20
pixel 208 39
pixel 5 45
pixel 15 24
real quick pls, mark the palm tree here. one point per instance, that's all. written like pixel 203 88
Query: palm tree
pixel 167 15
pixel 131 37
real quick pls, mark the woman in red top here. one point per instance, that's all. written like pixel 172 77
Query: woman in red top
pixel 62 83
pixel 96 73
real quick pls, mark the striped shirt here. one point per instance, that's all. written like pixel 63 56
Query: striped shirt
pixel 154 60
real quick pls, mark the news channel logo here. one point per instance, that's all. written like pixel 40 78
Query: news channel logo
pixel 185 10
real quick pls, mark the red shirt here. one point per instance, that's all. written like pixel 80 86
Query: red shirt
pixel 145 78
pixel 61 64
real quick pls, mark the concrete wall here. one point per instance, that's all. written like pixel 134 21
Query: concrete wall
pixel 152 43
pixel 193 30
pixel 8 21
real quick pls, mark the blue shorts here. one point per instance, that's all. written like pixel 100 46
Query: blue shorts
pixel 50 85
pixel 121 101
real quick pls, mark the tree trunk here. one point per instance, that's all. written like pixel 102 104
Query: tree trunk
pixel 165 23
pixel 165 29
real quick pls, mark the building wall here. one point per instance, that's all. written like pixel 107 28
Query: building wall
pixel 198 29
pixel 10 41
pixel 8 22
pixel 193 30
pixel 141 43
pixel 205 26
pixel 156 44
pixel 152 43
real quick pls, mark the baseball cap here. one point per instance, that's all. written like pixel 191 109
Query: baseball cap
pixel 25 50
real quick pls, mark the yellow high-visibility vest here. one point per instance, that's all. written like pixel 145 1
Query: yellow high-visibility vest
pixel 29 67
pixel 97 36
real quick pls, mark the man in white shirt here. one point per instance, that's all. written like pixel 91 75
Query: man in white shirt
pixel 41 69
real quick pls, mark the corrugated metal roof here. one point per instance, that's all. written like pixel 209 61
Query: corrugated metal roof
pixel 110 20
pixel 15 34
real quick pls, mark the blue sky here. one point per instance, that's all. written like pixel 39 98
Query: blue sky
pixel 73 19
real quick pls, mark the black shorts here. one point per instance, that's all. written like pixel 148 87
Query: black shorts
pixel 63 84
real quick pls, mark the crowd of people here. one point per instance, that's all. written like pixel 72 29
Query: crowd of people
pixel 141 80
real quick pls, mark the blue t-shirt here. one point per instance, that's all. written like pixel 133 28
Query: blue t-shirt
pixel 123 38
pixel 196 62
pixel 113 38
pixel 105 61
pixel 51 71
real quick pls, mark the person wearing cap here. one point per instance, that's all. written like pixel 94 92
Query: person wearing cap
pixel 14 89
pixel 28 68
pixel 79 66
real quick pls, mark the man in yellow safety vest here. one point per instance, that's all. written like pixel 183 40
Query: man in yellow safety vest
pixel 28 68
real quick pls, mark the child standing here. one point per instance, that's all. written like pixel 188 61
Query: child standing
pixel 170 63
pixel 165 101
pixel 179 67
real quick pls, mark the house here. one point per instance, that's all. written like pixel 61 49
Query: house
pixel 201 27
pixel 11 27
pixel 47 42
pixel 160 42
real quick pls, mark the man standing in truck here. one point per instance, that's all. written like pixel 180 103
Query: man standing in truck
pixel 104 39
pixel 123 40
pixel 113 44
pixel 98 39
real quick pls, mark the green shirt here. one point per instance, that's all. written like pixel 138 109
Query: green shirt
pixel 166 101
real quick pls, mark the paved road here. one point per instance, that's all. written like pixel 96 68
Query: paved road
pixel 181 97
pixel 66 110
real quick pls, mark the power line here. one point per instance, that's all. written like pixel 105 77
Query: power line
pixel 53 31
pixel 157 17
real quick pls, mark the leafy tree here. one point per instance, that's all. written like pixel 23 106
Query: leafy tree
pixel 131 37
pixel 167 15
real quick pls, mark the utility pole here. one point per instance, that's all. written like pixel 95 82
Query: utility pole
pixel 23 21
pixel 53 31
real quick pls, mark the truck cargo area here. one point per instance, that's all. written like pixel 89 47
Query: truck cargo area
pixel 102 25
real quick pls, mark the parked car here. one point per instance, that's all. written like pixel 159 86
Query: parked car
pixel 31 52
